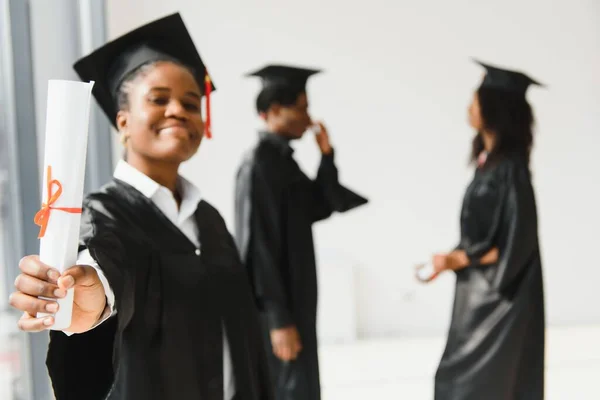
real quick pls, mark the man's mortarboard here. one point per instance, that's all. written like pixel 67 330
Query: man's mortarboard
pixel 166 39
pixel 284 75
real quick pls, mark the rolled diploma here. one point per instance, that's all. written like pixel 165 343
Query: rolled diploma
pixel 67 123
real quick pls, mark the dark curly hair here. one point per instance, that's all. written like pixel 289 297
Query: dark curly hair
pixel 510 117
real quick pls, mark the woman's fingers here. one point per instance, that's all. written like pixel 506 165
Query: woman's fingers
pixel 32 266
pixel 80 275
pixel 29 323
pixel 32 305
pixel 34 286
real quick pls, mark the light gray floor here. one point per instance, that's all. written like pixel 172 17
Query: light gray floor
pixel 403 368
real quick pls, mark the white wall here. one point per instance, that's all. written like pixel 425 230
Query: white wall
pixel 397 84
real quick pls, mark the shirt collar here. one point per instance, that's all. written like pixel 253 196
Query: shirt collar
pixel 190 194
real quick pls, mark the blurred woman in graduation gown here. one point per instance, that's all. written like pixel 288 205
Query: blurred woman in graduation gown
pixel 495 347
pixel 163 309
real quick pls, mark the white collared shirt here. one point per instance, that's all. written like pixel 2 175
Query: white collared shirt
pixel 183 218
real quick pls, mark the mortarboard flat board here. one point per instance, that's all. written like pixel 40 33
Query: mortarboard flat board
pixel 284 75
pixel 507 80
pixel 165 39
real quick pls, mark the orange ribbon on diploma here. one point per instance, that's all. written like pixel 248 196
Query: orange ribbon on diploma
pixel 43 216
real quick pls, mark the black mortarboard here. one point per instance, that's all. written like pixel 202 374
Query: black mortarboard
pixel 503 79
pixel 161 40
pixel 285 75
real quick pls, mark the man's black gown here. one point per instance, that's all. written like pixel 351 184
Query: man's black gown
pixel 275 207
pixel 166 340
pixel 495 348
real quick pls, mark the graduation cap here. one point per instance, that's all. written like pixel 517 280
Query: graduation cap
pixel 294 77
pixel 165 39
pixel 503 79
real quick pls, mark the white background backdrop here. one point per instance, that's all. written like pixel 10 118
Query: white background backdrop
pixel 394 94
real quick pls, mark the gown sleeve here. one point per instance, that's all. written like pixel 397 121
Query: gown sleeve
pixel 81 366
pixel 267 249
pixel 518 239
pixel 514 226
pixel 329 195
pixel 494 204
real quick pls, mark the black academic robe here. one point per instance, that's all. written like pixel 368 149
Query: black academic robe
pixel 165 341
pixel 495 348
pixel 275 207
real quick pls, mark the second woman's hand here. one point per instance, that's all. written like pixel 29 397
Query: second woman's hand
pixel 452 261
pixel 441 262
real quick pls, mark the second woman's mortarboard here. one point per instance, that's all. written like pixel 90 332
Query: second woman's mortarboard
pixel 507 80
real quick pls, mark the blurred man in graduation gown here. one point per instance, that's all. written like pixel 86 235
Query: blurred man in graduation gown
pixel 162 308
pixel 496 341
pixel 276 205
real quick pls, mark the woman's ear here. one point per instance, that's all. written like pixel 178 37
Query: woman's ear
pixel 122 126
pixel 122 120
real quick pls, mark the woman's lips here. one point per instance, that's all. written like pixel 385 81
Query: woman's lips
pixel 177 131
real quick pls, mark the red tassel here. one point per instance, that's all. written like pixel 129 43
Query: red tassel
pixel 207 90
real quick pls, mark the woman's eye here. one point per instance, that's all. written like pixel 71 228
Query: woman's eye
pixel 192 107
pixel 161 101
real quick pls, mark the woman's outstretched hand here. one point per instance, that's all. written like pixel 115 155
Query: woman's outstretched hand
pixel 38 279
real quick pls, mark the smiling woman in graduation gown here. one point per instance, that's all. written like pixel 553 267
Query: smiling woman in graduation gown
pixel 495 348
pixel 179 321
pixel 276 205
pixel 171 302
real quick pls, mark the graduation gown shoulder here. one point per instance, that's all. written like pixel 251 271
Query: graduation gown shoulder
pixel 172 303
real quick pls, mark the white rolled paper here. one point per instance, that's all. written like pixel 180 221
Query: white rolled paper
pixel 67 124
pixel 425 272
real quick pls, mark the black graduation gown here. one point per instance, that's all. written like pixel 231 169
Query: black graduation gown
pixel 165 341
pixel 275 207
pixel 495 348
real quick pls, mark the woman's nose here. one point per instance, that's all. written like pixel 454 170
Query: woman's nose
pixel 175 109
